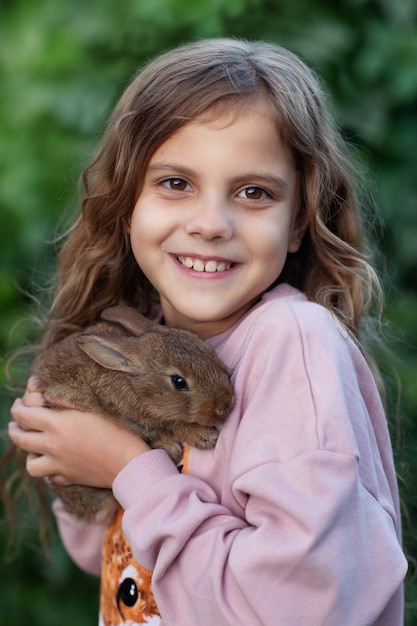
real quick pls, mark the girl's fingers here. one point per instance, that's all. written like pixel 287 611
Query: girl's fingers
pixel 59 480
pixel 29 417
pixel 33 465
pixel 69 448
pixel 39 466
pixel 27 440
pixel 32 384
pixel 33 398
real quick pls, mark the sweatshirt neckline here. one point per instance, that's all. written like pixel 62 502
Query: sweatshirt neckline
pixel 281 291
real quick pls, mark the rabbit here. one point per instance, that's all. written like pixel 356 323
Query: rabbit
pixel 165 384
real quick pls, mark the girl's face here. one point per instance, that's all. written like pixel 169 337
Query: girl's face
pixel 215 219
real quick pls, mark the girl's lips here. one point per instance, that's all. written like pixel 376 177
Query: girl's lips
pixel 210 266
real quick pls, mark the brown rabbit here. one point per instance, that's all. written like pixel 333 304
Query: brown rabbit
pixel 164 384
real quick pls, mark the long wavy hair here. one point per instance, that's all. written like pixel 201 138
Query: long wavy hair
pixel 96 266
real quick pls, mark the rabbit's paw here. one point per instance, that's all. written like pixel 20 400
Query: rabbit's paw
pixel 173 448
pixel 206 437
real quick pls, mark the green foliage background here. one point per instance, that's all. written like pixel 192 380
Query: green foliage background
pixel 63 63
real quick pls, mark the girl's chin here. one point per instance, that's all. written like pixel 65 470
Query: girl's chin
pixel 203 320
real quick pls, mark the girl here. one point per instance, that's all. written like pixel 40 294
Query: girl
pixel 222 201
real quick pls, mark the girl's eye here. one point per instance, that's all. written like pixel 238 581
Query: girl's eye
pixel 177 184
pixel 253 193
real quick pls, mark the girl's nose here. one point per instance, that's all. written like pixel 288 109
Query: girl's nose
pixel 210 219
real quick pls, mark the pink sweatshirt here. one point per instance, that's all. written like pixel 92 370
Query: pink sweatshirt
pixel 293 519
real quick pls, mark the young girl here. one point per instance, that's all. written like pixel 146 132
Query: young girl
pixel 221 201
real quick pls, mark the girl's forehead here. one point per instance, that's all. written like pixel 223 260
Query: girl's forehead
pixel 225 112
pixel 226 144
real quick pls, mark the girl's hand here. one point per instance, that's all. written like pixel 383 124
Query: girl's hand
pixel 68 445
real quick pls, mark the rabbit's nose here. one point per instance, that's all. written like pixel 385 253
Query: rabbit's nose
pixel 222 411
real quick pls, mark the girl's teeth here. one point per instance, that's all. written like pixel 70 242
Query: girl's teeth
pixel 198 265
pixel 211 266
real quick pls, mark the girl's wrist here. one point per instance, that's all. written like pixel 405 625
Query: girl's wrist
pixel 130 451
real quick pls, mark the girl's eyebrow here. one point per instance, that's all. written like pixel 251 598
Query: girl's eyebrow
pixel 267 179
pixel 258 177
pixel 171 167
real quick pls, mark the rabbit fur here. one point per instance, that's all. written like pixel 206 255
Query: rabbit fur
pixel 165 384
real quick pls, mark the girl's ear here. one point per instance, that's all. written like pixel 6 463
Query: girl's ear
pixel 298 231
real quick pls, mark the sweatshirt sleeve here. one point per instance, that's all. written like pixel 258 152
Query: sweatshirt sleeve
pixel 304 536
pixel 314 548
pixel 83 542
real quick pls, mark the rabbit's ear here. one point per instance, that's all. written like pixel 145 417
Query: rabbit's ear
pixel 127 317
pixel 109 352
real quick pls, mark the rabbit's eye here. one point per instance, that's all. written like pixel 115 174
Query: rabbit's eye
pixel 179 383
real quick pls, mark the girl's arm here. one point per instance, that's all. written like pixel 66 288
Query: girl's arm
pixel 67 445
pixel 70 447
pixel 314 548
pixel 83 542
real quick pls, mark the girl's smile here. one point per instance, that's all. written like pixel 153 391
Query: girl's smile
pixel 200 265
pixel 216 217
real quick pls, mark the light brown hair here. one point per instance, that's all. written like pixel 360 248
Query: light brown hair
pixel 96 266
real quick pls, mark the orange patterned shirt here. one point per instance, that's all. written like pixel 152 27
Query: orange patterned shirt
pixel 126 595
